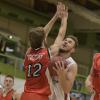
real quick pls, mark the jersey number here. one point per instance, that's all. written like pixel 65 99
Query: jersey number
pixel 37 70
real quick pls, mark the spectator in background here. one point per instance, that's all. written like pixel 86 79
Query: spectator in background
pixel 77 96
pixel 8 92
pixel 73 96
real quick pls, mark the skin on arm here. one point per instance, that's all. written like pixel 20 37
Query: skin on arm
pixel 50 24
pixel 63 27
pixel 88 82
pixel 66 76
pixel 61 33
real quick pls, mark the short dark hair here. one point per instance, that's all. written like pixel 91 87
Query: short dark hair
pixel 75 39
pixel 10 76
pixel 36 37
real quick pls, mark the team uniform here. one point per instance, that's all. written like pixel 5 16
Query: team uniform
pixel 96 76
pixel 57 91
pixel 36 86
pixel 9 95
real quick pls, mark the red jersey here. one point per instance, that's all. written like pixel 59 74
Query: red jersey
pixel 0 96
pixel 96 73
pixel 9 95
pixel 35 65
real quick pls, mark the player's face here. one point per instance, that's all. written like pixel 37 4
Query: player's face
pixel 68 45
pixel 8 83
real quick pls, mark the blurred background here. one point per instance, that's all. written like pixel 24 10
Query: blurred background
pixel 16 18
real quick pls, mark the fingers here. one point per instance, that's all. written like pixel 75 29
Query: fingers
pixel 60 69
pixel 60 65
pixel 62 10
pixel 61 6
pixel 55 69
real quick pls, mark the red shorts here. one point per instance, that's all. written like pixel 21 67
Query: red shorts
pixel 33 96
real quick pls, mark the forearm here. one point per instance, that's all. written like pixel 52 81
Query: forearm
pixel 67 78
pixel 88 84
pixel 88 80
pixel 65 84
pixel 89 77
pixel 63 28
pixel 48 27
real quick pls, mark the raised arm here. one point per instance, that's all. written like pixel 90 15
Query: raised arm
pixel 50 24
pixel 63 27
pixel 88 82
pixel 61 33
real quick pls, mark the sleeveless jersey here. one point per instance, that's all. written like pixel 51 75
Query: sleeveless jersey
pixel 57 92
pixel 96 73
pixel 9 95
pixel 35 65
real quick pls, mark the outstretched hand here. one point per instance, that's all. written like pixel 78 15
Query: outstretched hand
pixel 61 10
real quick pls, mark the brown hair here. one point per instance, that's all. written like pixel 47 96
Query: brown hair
pixel 73 38
pixel 36 37
pixel 10 76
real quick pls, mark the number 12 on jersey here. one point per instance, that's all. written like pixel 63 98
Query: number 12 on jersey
pixel 36 72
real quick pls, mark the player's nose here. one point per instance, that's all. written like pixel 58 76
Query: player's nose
pixel 65 42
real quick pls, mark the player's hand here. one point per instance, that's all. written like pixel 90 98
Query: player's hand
pixel 60 69
pixel 64 14
pixel 89 86
pixel 62 10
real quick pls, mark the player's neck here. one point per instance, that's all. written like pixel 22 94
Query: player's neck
pixel 64 55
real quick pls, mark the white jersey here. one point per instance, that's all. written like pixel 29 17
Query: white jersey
pixel 57 91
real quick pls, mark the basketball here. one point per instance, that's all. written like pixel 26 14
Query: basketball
pixel 52 64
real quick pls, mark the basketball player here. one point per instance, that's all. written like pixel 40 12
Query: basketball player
pixel 8 92
pixel 61 84
pixel 93 79
pixel 36 62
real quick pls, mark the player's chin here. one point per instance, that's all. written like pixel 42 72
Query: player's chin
pixel 62 50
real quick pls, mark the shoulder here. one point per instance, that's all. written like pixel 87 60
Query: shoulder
pixel 72 65
pixel 71 62
pixel 73 68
